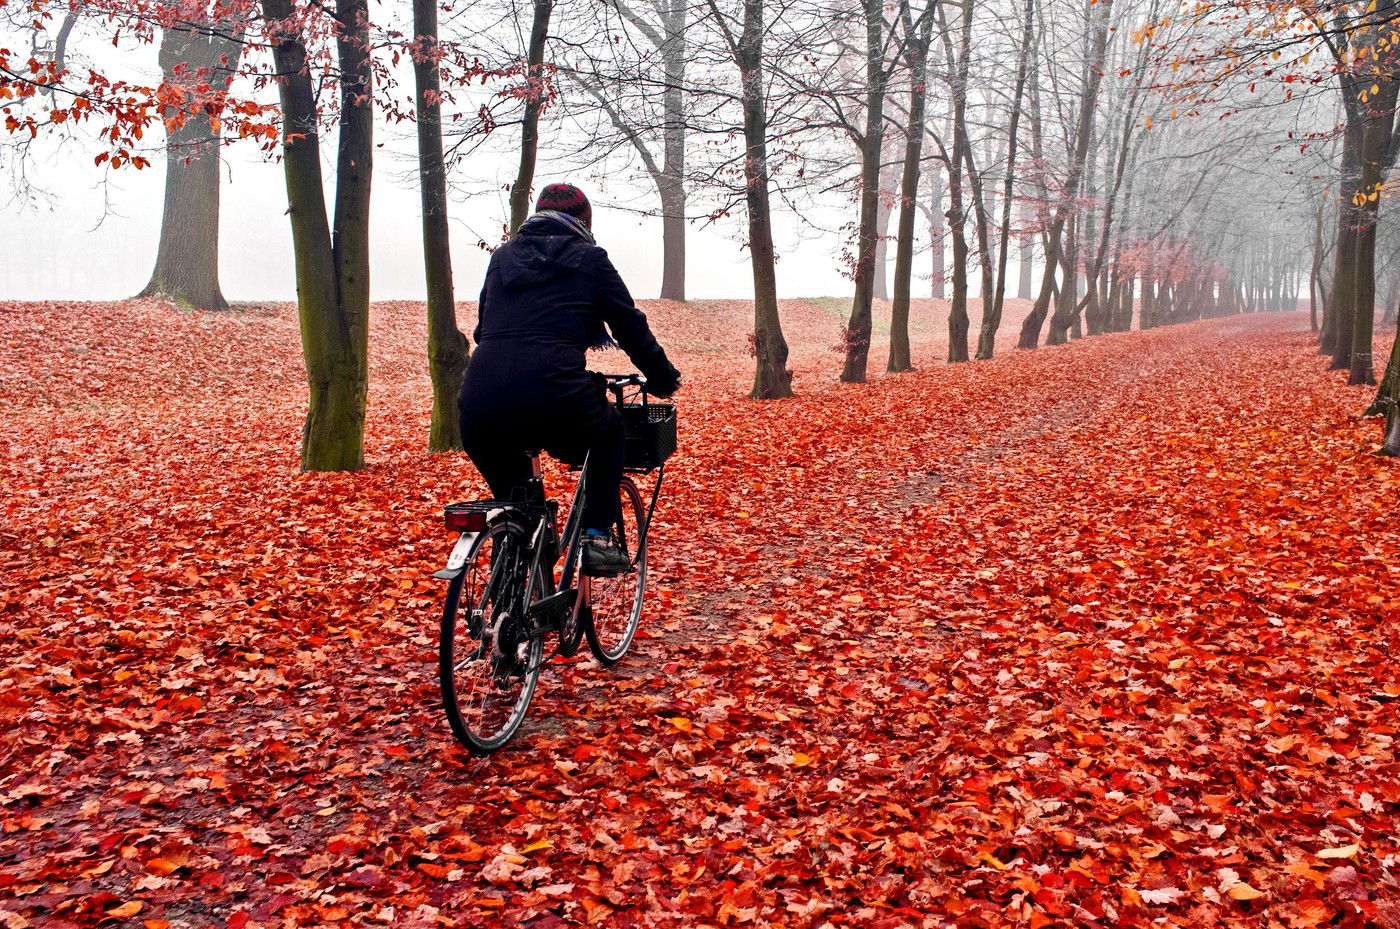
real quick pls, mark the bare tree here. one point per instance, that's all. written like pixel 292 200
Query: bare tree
pixel 991 319
pixel 1099 13
pixel 536 94
pixel 916 58
pixel 958 160
pixel 858 329
pixel 332 257
pixel 642 59
pixel 772 379
pixel 448 350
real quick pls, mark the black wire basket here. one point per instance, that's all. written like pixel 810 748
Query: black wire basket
pixel 650 430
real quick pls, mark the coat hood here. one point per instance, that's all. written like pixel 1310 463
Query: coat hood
pixel 542 250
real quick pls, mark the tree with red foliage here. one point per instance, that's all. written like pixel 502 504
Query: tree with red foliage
pixel 199 57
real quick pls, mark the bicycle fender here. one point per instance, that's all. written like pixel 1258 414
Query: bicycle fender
pixel 458 559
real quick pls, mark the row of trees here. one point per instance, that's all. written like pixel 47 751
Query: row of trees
pixel 1066 129
pixel 1334 68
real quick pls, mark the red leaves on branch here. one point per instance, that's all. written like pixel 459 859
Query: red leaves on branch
pixel 1100 636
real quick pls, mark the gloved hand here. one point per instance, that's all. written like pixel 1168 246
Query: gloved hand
pixel 664 388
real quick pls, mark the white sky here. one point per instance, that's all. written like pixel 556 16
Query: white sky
pixel 94 235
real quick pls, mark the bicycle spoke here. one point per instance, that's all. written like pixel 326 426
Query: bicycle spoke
pixel 615 603
pixel 489 667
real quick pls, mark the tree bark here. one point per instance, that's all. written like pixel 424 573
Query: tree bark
pixel 530 122
pixel 858 328
pixel 1387 403
pixel 187 258
pixel 991 322
pixel 957 313
pixel 1315 274
pixel 332 268
pixel 1066 311
pixel 917 57
pixel 671 184
pixel 937 232
pixel 958 321
pixel 1026 268
pixel 890 174
pixel 772 379
pixel 1067 301
pixel 447 346
pixel 1375 143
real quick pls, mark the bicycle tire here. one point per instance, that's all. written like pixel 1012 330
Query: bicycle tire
pixel 466 638
pixel 612 606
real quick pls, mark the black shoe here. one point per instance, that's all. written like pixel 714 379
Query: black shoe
pixel 603 558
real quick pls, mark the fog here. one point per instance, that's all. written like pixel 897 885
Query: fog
pixel 90 233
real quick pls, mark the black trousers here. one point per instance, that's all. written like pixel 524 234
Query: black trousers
pixel 567 428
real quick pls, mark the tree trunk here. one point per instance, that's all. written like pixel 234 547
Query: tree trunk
pixel 1031 325
pixel 982 228
pixel 937 232
pixel 187 262
pixel 1123 312
pixel 1315 275
pixel 1376 140
pixel 991 322
pixel 958 322
pixel 1026 270
pixel 772 379
pixel 672 182
pixel 899 359
pixel 1147 316
pixel 332 270
pixel 1066 312
pixel 187 259
pixel 447 347
pixel 859 327
pixel 673 205
pixel 1337 335
pixel 1387 403
pixel 530 122
pixel 890 174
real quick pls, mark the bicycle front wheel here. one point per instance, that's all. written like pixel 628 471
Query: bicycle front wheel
pixel 614 604
pixel 489 657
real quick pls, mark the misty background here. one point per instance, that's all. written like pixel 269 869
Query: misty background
pixel 83 232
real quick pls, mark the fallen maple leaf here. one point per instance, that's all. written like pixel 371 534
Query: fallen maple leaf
pixel 126 910
pixel 1243 891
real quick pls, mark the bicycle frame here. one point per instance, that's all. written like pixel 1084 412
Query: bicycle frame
pixel 568 544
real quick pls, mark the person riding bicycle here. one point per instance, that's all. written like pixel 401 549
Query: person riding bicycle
pixel 550 294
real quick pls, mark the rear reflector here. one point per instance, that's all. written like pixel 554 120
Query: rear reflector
pixel 465 521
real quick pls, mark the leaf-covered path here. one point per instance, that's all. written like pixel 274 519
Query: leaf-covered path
pixel 1098 635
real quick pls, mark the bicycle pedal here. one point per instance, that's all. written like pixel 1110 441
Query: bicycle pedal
pixel 552 609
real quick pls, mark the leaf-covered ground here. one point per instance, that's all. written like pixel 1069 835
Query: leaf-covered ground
pixel 1103 635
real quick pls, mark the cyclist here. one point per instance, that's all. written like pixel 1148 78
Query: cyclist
pixel 550 294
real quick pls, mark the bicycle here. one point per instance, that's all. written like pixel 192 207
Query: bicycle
pixel 504 597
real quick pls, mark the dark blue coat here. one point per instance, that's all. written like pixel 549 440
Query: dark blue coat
pixel 549 293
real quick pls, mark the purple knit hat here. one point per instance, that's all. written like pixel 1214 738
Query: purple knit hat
pixel 566 198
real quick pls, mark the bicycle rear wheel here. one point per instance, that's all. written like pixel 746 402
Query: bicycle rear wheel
pixel 614 604
pixel 489 657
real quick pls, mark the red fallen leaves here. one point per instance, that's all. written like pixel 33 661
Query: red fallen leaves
pixel 1100 635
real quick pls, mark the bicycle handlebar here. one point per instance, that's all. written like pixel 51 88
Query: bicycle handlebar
pixel 624 380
